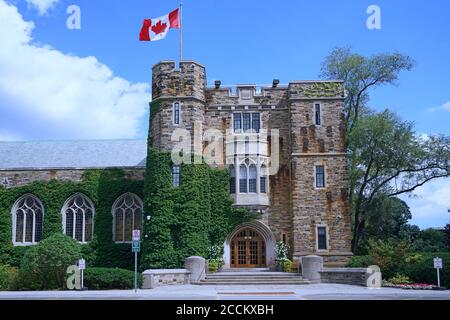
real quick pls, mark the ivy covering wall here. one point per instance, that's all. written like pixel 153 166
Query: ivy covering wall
pixel 103 187
pixel 185 220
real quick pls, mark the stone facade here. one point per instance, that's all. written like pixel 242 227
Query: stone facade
pixel 294 206
pixel 19 178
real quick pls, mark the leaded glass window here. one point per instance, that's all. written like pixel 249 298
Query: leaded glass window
pixel 78 218
pixel 127 216
pixel 322 238
pixel 263 179
pixel 243 178
pixel 320 177
pixel 252 179
pixel 28 217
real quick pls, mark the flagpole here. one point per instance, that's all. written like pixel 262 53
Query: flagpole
pixel 181 30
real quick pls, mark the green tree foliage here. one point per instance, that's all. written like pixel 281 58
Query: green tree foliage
pixel 189 219
pixel 386 217
pixel 447 235
pixel 110 278
pixel 361 74
pixel 44 266
pixel 429 240
pixel 388 159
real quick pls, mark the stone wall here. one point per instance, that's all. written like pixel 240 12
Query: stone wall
pixel 352 276
pixel 18 178
pixel 169 85
pixel 164 277
pixel 296 207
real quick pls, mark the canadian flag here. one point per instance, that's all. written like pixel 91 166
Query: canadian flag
pixel 157 29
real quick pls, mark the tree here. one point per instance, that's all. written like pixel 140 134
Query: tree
pixel 430 240
pixel 388 159
pixel 387 217
pixel 447 235
pixel 360 74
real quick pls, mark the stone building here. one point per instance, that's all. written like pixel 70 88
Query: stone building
pixel 300 192
pixel 282 144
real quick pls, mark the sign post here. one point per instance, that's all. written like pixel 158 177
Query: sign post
pixel 438 265
pixel 82 266
pixel 136 247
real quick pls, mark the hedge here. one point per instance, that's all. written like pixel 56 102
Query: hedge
pixel 110 278
pixel 421 271
pixel 424 272
pixel 8 278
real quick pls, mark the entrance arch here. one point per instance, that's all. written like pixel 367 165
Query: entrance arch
pixel 250 245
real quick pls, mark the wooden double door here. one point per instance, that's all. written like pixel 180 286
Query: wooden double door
pixel 248 250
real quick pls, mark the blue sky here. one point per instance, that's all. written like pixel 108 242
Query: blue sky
pixel 106 95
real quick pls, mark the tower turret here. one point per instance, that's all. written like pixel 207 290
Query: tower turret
pixel 178 101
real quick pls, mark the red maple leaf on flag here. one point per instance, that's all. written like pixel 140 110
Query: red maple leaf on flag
pixel 159 27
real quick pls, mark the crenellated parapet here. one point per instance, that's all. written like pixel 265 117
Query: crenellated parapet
pixel 316 90
pixel 189 80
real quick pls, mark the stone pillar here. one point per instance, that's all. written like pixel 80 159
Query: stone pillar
pixel 311 265
pixel 196 266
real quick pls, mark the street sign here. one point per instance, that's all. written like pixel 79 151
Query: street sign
pixel 136 246
pixel 136 235
pixel 438 266
pixel 437 263
pixel 82 264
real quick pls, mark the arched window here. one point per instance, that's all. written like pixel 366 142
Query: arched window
pixel 263 179
pixel 252 179
pixel 127 216
pixel 28 217
pixel 232 179
pixel 243 178
pixel 78 218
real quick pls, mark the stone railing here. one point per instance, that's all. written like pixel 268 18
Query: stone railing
pixel 353 276
pixel 164 277
pixel 194 272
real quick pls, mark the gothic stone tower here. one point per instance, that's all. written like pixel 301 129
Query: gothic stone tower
pixel 305 202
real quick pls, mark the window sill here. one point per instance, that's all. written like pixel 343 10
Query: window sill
pixel 24 244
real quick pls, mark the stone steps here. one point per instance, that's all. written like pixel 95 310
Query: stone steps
pixel 254 278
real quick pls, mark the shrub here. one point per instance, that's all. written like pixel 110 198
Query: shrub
pixel 415 266
pixel 399 279
pixel 110 278
pixel 44 266
pixel 213 265
pixel 422 271
pixel 281 252
pixel 287 265
pixel 8 278
pixel 390 255
pixel 360 261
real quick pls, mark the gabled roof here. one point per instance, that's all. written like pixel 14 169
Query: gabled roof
pixel 73 154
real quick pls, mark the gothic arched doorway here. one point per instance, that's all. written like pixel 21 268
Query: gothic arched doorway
pixel 247 249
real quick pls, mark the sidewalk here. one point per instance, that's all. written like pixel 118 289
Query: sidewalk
pixel 248 292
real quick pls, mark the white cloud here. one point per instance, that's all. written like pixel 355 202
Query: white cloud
pixel 6 136
pixel 46 94
pixel 42 5
pixel 430 203
pixel 444 107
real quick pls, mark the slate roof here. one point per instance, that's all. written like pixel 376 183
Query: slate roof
pixel 73 154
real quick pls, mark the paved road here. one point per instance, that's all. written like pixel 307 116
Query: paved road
pixel 234 292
